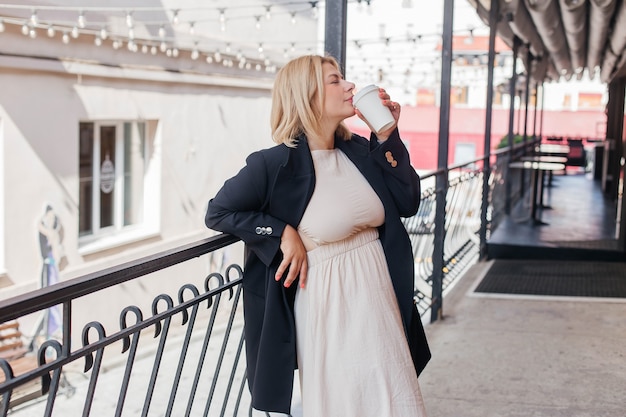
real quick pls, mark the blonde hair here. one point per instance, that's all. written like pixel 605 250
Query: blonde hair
pixel 298 100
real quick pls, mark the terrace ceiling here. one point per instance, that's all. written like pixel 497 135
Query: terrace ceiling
pixel 574 35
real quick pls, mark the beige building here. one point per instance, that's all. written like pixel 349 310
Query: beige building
pixel 117 126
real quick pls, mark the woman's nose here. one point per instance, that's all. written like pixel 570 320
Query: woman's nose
pixel 349 86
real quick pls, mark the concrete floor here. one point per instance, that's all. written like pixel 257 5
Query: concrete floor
pixel 510 356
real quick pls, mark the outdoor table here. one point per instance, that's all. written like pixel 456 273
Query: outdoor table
pixel 537 169
pixel 551 149
pixel 545 158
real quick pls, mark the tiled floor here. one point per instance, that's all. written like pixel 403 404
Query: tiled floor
pixel 581 221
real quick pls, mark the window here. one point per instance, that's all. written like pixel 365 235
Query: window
pixel 113 164
pixel 458 95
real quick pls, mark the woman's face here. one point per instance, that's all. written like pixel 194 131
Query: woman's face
pixel 338 94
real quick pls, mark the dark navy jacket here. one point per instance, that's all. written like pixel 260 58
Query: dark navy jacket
pixel 273 190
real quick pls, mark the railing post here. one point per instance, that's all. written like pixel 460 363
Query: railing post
pixel 493 27
pixel 442 162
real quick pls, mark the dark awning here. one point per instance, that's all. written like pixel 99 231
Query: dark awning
pixel 566 37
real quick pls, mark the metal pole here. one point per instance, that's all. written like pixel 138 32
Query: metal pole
pixel 535 111
pixel 335 31
pixel 527 97
pixel 512 93
pixel 541 114
pixel 441 182
pixel 493 23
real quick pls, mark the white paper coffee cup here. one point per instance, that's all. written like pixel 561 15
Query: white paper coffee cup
pixel 378 116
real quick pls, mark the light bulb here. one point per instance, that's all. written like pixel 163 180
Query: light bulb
pixel 195 54
pixel 163 47
pixel 33 18
pixel 25 29
pixel 103 33
pixel 51 31
pixel 74 32
pixel 313 9
pixel 162 31
pixel 1 26
pixel 81 20
pixel 293 18
pixel 268 14
pixel 153 50
pixel 258 22
pixel 97 41
pixel 175 17
pixel 66 38
pixel 32 33
pixel 129 19
pixel 192 29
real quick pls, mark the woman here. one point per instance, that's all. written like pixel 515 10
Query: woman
pixel 328 281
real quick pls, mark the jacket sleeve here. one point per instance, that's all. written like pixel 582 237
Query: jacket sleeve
pixel 239 209
pixel 400 176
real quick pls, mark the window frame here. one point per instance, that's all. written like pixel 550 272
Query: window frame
pixel 102 238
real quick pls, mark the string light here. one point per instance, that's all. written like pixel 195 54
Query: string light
pixel 129 19
pixel 314 11
pixel 96 26
pixel 81 20
pixel 222 20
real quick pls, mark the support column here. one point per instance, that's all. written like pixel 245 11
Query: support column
pixel 441 182
pixel 335 31
pixel 513 94
pixel 493 28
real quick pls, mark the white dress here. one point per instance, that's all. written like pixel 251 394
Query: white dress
pixel 353 357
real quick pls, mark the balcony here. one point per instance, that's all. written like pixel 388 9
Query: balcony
pixel 494 351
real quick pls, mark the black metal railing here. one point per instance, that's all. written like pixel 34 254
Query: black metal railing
pixel 182 353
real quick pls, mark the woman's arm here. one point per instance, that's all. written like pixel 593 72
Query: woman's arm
pixel 400 176
pixel 239 208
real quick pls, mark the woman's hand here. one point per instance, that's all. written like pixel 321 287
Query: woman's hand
pixel 393 106
pixel 294 258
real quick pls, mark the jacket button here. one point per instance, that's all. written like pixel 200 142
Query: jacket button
pixel 269 230
pixel 258 230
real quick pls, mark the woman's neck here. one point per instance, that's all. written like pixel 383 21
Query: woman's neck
pixel 325 141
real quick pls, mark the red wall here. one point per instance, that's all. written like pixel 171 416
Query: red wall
pixel 419 126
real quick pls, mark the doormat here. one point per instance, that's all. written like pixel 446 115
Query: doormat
pixel 555 278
